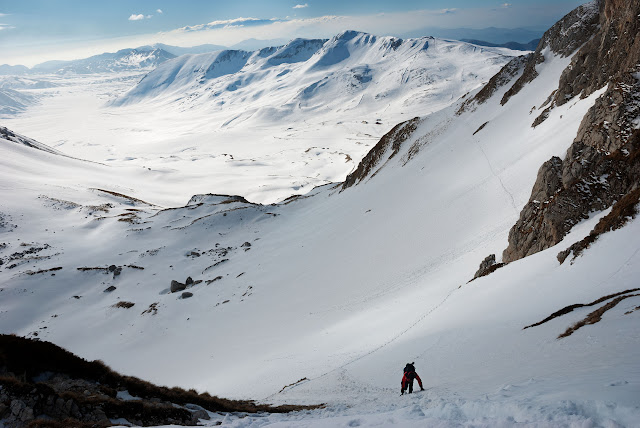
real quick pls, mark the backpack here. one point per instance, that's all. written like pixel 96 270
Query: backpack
pixel 409 368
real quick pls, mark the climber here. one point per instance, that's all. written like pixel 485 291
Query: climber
pixel 407 380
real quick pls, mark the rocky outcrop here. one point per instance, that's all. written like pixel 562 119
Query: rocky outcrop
pixel 603 163
pixel 563 39
pixel 499 80
pixel 612 52
pixel 388 146
pixel 589 179
pixel 487 266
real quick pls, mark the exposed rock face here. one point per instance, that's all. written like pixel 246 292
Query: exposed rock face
pixel 563 38
pixel 487 266
pixel 392 140
pixel 503 77
pixel 603 163
pixel 612 52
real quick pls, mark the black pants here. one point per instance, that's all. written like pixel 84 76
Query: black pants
pixel 408 385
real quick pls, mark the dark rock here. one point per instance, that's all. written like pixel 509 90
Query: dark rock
pixel 246 244
pixel 189 281
pixel 117 271
pixel 177 286
pixel 380 153
pixel 186 295
pixel 489 261
pixel 112 268
pixel 503 77
pixel 563 38
pixel 199 414
pixel 110 289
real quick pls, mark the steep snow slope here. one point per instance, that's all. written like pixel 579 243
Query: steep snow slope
pixel 339 287
pixel 264 124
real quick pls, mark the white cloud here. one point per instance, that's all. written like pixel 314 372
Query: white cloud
pixel 506 5
pixel 227 23
pixel 300 6
pixel 159 11
pixel 139 17
pixel 5 27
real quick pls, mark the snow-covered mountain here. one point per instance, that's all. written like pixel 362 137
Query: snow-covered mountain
pixel 123 60
pixel 349 71
pixel 324 297
pixel 15 70
pixel 13 102
pixel 179 50
pixel 264 124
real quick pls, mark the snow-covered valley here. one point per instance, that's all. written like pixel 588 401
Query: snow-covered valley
pixel 322 297
pixel 265 124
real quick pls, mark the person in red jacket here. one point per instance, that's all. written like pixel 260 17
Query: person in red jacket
pixel 407 380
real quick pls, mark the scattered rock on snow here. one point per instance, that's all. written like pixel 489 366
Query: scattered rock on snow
pixel 110 289
pixel 186 295
pixel 177 286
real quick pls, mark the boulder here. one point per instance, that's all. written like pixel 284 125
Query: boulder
pixel 177 286
pixel 186 295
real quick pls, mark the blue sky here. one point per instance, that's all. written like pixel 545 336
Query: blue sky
pixel 33 31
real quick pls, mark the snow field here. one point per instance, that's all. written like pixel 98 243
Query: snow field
pixel 342 288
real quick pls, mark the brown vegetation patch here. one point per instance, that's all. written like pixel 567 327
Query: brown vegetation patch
pixel 570 308
pixel 123 304
pixel 23 359
pixel 152 309
pixel 595 316
pixel 621 212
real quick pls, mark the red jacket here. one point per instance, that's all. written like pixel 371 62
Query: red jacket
pixel 407 378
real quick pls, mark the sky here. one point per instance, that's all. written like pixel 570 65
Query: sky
pixel 34 31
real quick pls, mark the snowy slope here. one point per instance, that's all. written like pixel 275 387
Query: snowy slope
pixel 122 60
pixel 264 124
pixel 336 75
pixel 340 287
pixel 12 101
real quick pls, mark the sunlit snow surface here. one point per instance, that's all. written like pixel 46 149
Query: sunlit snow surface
pixel 340 288
pixel 264 124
